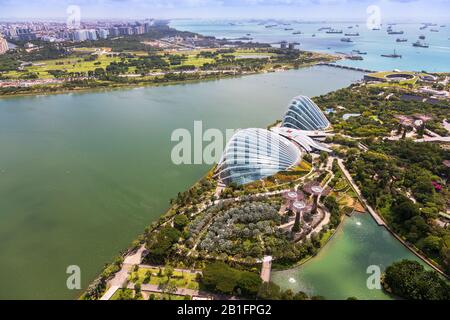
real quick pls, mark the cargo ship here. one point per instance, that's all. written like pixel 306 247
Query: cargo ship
pixel 333 31
pixel 392 55
pixel 420 44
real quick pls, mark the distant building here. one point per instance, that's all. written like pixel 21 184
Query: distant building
pixel 3 46
pixel 283 45
pixel 79 35
pixel 92 35
pixel 103 33
pixel 125 31
pixel 114 32
pixel 137 30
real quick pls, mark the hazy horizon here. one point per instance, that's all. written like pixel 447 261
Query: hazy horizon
pixel 307 10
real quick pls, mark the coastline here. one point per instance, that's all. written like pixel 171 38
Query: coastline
pixel 126 86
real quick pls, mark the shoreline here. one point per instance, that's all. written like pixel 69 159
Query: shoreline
pixel 329 59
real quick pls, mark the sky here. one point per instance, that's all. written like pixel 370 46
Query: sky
pixel 402 10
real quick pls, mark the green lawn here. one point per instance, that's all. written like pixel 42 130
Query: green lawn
pixel 70 64
pixel 179 279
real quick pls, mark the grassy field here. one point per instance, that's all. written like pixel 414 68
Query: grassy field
pixel 77 63
pixel 70 64
pixel 156 277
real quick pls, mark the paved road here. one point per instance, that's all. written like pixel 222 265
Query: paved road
pixel 266 268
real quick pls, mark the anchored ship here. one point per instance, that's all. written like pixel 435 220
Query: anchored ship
pixel 420 44
pixel 393 55
pixel 333 31
pixel 352 34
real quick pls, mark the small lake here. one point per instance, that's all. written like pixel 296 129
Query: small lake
pixel 339 271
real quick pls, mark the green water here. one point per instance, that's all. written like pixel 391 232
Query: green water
pixel 81 175
pixel 339 270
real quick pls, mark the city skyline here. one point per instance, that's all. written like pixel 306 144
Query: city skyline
pixel 405 10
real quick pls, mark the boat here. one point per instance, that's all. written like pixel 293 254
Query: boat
pixel 288 29
pixel 333 31
pixel 376 29
pixel 272 26
pixel 352 34
pixel 392 55
pixel 359 52
pixel 443 26
pixel 297 32
pixel 402 40
pixel 422 37
pixel 324 28
pixel 354 57
pixel 420 44
pixel 396 32
pixel 346 40
pixel 313 35
pixel 434 30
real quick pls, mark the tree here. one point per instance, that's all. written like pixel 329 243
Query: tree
pixel 160 244
pixel 405 209
pixel 168 270
pixel 300 296
pixel 249 283
pixel 269 291
pixel 331 204
pixel 409 279
pixel 219 277
pixel 296 227
pixel 432 244
pixel 180 221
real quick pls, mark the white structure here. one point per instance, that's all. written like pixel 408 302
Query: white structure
pixel 302 138
pixel 253 154
pixel 3 45
pixel 304 114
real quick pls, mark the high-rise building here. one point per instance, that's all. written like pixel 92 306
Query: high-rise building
pixel 137 30
pixel 103 33
pixel 91 35
pixel 114 32
pixel 125 31
pixel 3 45
pixel 79 35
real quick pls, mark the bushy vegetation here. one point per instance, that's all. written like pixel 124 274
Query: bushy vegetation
pixel 245 228
pixel 400 179
pixel 409 280
pixel 221 278
pixel 377 113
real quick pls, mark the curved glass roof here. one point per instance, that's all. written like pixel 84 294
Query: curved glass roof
pixel 304 114
pixel 253 154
